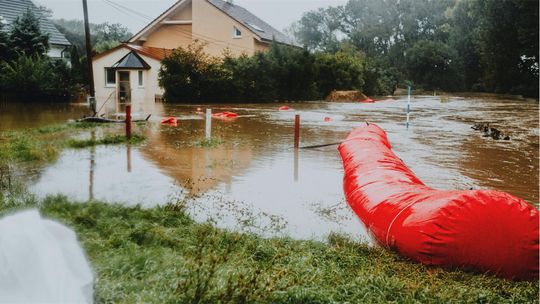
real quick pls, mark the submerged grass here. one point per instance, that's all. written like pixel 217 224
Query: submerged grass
pixel 160 255
pixel 44 144
pixel 108 139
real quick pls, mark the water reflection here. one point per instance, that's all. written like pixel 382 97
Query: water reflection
pixel 243 180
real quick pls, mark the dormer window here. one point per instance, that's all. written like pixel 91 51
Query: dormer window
pixel 236 32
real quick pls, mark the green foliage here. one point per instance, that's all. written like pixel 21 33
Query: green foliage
pixel 493 43
pixel 4 47
pixel 25 37
pixel 102 36
pixel 106 140
pixel 160 255
pixel 282 73
pixel 434 65
pixel 31 78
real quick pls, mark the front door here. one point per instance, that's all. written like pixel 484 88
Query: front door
pixel 124 88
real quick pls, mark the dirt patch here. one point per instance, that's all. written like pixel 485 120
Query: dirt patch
pixel 346 96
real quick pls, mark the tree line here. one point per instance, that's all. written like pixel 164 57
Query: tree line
pixel 28 74
pixel 454 45
pixel 281 73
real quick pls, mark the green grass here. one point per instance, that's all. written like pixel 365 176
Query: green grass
pixel 108 139
pixel 44 144
pixel 209 143
pixel 160 255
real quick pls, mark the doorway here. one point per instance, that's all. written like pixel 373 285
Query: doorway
pixel 124 87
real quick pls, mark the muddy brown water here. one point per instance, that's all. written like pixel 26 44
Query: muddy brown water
pixel 251 179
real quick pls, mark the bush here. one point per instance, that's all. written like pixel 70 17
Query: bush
pixel 35 77
pixel 282 73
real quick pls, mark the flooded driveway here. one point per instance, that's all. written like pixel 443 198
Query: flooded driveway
pixel 249 178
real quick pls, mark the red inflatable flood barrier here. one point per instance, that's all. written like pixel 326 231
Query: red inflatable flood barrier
pixel 482 230
pixel 225 115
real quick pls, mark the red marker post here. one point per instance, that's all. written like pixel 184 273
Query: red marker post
pixel 296 130
pixel 128 121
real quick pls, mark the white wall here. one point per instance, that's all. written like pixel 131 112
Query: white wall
pixel 142 98
pixel 55 51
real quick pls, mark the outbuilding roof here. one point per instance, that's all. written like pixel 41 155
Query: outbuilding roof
pixel 131 61
pixel 11 9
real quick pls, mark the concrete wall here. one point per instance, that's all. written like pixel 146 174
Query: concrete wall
pixel 142 98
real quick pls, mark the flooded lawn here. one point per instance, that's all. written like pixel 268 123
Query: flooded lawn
pixel 249 178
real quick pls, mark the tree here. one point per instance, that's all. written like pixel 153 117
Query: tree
pixel 434 65
pixel 25 37
pixel 507 41
pixel 4 45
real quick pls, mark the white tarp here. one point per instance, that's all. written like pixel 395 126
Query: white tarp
pixel 41 261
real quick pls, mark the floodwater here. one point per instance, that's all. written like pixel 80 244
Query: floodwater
pixel 251 179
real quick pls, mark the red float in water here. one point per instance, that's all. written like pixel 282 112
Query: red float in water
pixel 172 121
pixel 224 115
pixel 367 100
pixel 484 230
pixel 327 119
pixel 284 108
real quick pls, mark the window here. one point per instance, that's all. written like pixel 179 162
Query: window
pixel 110 76
pixel 236 32
pixel 254 26
pixel 140 78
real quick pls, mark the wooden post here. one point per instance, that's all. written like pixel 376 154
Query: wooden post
pixel 208 124
pixel 296 130
pixel 88 49
pixel 128 121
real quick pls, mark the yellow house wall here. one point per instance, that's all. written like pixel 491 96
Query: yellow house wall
pixel 214 26
pixel 170 36
pixel 261 46
pixel 184 14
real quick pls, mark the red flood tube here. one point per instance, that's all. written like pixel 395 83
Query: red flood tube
pixel 486 231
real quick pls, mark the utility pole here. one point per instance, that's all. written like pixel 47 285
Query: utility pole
pixel 92 99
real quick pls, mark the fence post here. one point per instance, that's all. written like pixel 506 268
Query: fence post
pixel 128 121
pixel 296 130
pixel 208 124
pixel 408 104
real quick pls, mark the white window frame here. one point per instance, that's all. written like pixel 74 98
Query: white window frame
pixel 107 83
pixel 140 78
pixel 237 33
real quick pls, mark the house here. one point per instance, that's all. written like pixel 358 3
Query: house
pixel 10 10
pixel 129 72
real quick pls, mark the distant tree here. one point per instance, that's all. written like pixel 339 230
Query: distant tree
pixel 26 38
pixel 507 41
pixel 434 65
pixel 4 45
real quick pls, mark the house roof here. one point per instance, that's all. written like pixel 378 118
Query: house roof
pixel 131 61
pixel 249 20
pixel 11 9
pixel 260 28
pixel 152 52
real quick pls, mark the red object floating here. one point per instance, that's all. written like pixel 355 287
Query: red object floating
pixel 367 100
pixel 328 119
pixel 485 230
pixel 284 108
pixel 225 115
pixel 172 121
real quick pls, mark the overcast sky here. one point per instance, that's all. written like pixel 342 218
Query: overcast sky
pixel 278 13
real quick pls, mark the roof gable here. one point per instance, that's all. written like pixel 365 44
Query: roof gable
pixel 239 14
pixel 131 61
pixel 10 10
